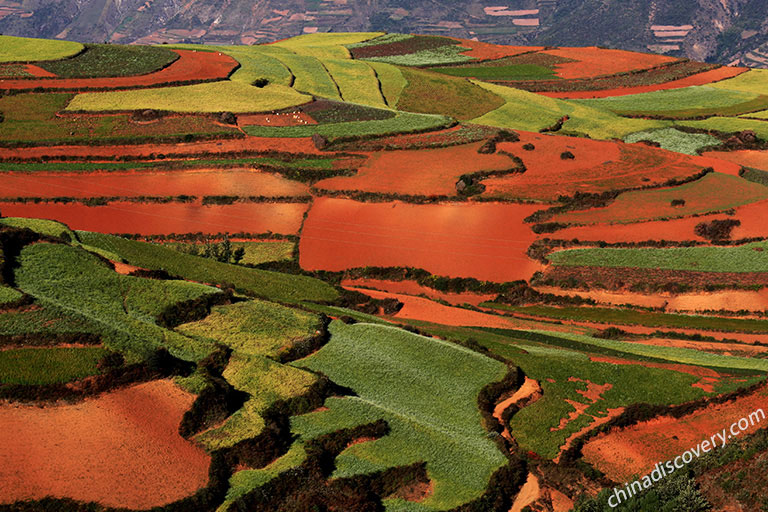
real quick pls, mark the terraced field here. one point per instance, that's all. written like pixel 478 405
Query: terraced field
pixel 373 271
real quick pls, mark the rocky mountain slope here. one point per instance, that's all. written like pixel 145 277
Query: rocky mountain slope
pixel 727 31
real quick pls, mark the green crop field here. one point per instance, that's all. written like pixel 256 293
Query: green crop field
pixel 261 283
pixel 730 125
pixel 211 97
pixel 44 226
pixel 682 103
pixel 254 327
pixel 103 60
pixel 325 45
pixel 714 192
pixel 754 81
pixel 448 54
pixel 431 93
pixel 24 49
pixel 744 258
pixel 672 139
pixel 532 112
pixel 500 73
pixel 391 79
pixel 403 122
pixel 33 118
pixel 126 308
pixel 255 252
pixel 357 81
pixel 426 389
pixel 254 63
pixel 48 365
pixel 8 294
pixel 311 76
pixel 633 317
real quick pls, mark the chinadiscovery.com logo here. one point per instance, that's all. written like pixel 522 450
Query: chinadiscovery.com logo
pixel 663 469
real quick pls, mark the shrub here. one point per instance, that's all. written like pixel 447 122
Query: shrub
pixel 567 155
pixel 716 230
pixel 528 146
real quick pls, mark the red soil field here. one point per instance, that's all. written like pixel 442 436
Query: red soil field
pixel 728 300
pixel 487 51
pixel 598 166
pixel 191 66
pixel 232 182
pixel 707 77
pixel 718 347
pixel 38 71
pixel 425 172
pixel 417 308
pixel 283 145
pixel 413 288
pixel 591 61
pixel 486 241
pixel 696 371
pixel 636 449
pixel 752 217
pixel 164 219
pixel 121 449
pixel 747 158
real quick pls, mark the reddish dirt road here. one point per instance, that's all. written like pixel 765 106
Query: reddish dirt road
pixel 413 288
pixel 191 66
pixel 121 449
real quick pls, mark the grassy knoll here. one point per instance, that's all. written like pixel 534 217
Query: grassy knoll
pixel 104 60
pixel 25 49
pixel 48 365
pixel 403 122
pixel 32 118
pixel 391 79
pixel 730 125
pixel 311 77
pixel 634 317
pixel 713 193
pixel 46 320
pixel 325 45
pixel 262 283
pixel 503 73
pixel 532 112
pixel 556 363
pixel 124 308
pixel 432 93
pixel 426 389
pixel 210 97
pixel 254 327
pixel 356 80
pixel 675 140
pixel 744 258
pixel 682 103
pixel 44 226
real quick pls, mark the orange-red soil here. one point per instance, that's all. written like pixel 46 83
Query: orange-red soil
pixel 598 166
pixel 596 422
pixel 190 149
pixel 746 158
pixel 424 172
pixel 726 348
pixel 704 78
pixel 417 308
pixel 592 393
pixel 529 492
pixel 488 51
pixel 636 449
pixel 413 288
pixel 697 371
pixel 751 217
pixel 560 502
pixel 124 268
pixel 190 66
pixel 38 71
pixel 482 240
pixel 591 61
pixel 727 300
pixel 156 219
pixel 121 449
pixel 231 182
